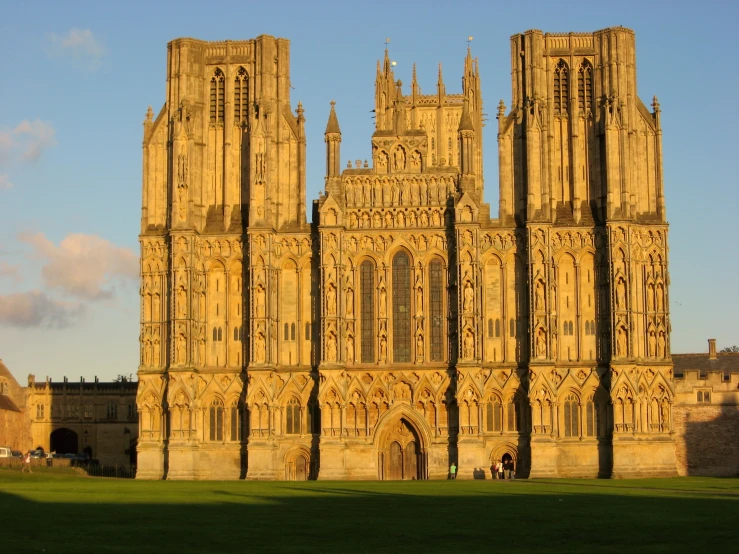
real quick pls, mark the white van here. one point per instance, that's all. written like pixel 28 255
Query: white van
pixel 5 452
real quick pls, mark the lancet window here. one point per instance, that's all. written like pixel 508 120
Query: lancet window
pixel 572 416
pixel 217 96
pixel 436 309
pixel 292 417
pixel 216 420
pixel 401 308
pixel 585 87
pixel 367 299
pixel 561 89
pixel 241 96
pixel 494 415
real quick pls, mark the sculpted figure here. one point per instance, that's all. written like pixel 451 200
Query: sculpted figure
pixel 419 347
pixel 541 344
pixel 350 349
pixel 260 300
pixel 259 345
pixel 383 348
pixel 539 295
pixel 331 348
pixel 662 345
pixel 399 159
pixel 180 349
pixel 621 295
pixel 621 342
pixel 468 348
pixel 652 343
pixel 331 300
pixel 383 302
pixel 469 297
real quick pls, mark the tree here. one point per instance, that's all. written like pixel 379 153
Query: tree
pixel 734 348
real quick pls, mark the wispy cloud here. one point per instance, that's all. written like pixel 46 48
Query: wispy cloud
pixel 84 266
pixel 78 44
pixel 36 309
pixel 5 183
pixel 24 144
pixel 10 271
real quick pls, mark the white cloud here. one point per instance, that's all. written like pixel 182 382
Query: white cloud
pixel 5 183
pixel 78 44
pixel 35 136
pixel 84 266
pixel 36 309
pixel 9 271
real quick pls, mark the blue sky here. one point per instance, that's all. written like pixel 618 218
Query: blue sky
pixel 77 78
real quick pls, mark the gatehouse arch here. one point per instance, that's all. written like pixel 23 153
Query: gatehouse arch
pixel 64 441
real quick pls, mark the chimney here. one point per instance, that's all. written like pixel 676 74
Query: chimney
pixel 712 349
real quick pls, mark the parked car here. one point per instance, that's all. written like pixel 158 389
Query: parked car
pixel 5 452
pixel 17 454
pixel 37 454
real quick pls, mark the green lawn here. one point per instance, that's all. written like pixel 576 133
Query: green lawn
pixel 65 512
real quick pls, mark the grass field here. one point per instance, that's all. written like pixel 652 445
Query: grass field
pixel 65 512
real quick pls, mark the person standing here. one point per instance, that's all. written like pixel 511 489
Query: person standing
pixel 453 472
pixel 27 463
pixel 501 475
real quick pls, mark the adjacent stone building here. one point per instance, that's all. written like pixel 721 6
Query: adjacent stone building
pixel 407 327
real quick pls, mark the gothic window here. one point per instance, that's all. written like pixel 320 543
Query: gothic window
pixel 497 328
pixel 292 331
pixel 220 334
pixel 216 420
pixel 287 331
pixel 585 88
pixel 367 298
pixel 493 418
pixel 572 416
pixel 131 412
pixel 490 328
pixel 292 417
pixel 39 411
pixel 241 96
pixel 112 412
pixel 512 416
pixel 235 422
pixel 591 429
pixel 88 411
pixel 561 89
pixel 401 308
pixel 217 95
pixel 436 306
pixel 704 397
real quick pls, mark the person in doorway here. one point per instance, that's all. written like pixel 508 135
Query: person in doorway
pixel 453 472
pixel 27 463
pixel 511 469
pixel 501 474
pixel 494 470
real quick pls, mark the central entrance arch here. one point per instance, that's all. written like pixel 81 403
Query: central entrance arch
pixel 64 441
pixel 401 452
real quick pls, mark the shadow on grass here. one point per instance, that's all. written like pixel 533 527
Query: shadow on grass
pixel 67 514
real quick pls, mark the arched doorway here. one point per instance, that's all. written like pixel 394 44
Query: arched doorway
pixel 64 441
pixel 506 453
pixel 297 465
pixel 400 454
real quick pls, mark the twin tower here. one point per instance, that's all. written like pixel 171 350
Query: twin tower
pixel 405 328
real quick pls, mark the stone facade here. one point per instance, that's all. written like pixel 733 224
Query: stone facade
pixel 13 429
pixel 405 328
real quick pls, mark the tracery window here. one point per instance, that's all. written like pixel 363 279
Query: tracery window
pixel 367 299
pixel 216 420
pixel 490 328
pixel 401 308
pixel 572 416
pixel 217 95
pixel 497 328
pixel 494 414
pixel 235 422
pixel 561 89
pixel 436 309
pixel 512 415
pixel 292 417
pixel 241 96
pixel 585 87
pixel 112 412
pixel 591 415
pixel 39 411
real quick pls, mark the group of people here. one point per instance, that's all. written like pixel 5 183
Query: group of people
pixel 503 469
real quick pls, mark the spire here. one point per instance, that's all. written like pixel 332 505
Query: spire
pixel 386 63
pixel 441 89
pixel 414 82
pixel 468 60
pixel 465 121
pixel 333 122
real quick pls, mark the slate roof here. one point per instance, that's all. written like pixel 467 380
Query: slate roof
pixel 727 362
pixel 7 404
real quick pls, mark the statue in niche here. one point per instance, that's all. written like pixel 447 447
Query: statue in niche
pixel 424 219
pixel 401 219
pixel 553 347
pixel 423 192
pixel 377 193
pixel 182 200
pixel 201 349
pixel 331 300
pixel 665 414
pixel 662 345
pixel 660 298
pixel 621 295
pixel 376 220
pixel 412 219
pixel 383 348
pixel 181 302
pixel 468 346
pixel 155 310
pixel 469 298
pixel 419 347
pixel 180 350
pixel 541 344
pixel 435 218
pixel 405 197
pixel 395 192
pixel 260 167
pixel 419 301
pixel 331 347
pixel 383 302
pixel 259 347
pixel 650 298
pixel 350 349
pixel 382 162
pixel 621 342
pixel 260 294
pixel 156 355
pixel 147 353
pixel 399 159
pixel 366 193
pixel 416 159
pixel 349 302
pixel 652 343
pixel 539 295
pixel 388 219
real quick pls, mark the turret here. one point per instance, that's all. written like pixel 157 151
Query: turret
pixel 332 137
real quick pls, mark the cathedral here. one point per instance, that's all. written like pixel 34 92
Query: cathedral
pixel 406 327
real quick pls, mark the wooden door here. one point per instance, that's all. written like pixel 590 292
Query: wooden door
pixel 301 468
pixel 395 463
pixel 410 461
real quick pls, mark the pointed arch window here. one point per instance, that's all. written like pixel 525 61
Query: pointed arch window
pixel 217 97
pixel 216 420
pixel 494 415
pixel 572 416
pixel 436 308
pixel 561 89
pixel 512 415
pixel 367 315
pixel 585 87
pixel 591 414
pixel 241 96
pixel 292 417
pixel 401 308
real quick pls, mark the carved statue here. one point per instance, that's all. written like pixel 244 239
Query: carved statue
pixel 662 345
pixel 181 302
pixel 469 298
pixel 652 343
pixel 650 298
pixel 541 344
pixel 147 353
pixel 259 345
pixel 419 302
pixel 419 347
pixel 621 295
pixel 621 342
pixel 383 302
pixel 201 350
pixel 260 300
pixel 383 348
pixel 468 350
pixel 331 347
pixel 349 302
pixel 180 349
pixel 157 356
pixel 331 300
pixel 399 159
pixel 660 298
pixel 665 413
pixel 155 310
pixel 539 295
pixel 350 349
